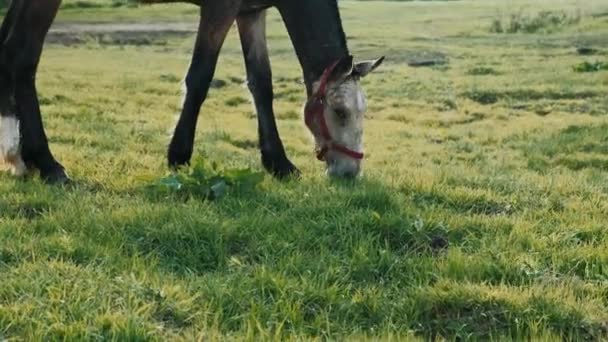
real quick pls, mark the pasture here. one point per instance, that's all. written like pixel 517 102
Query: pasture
pixel 482 213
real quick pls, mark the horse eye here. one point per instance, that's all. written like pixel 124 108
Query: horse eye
pixel 341 114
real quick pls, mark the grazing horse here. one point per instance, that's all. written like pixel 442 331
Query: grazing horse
pixel 333 113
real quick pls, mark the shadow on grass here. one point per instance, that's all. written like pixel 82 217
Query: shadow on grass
pixel 253 226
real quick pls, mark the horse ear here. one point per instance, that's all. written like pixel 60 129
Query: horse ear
pixel 344 68
pixel 363 69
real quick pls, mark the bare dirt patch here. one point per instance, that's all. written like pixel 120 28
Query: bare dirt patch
pixel 119 34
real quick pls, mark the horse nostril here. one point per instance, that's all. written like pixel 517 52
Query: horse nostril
pixel 343 168
pixel 350 174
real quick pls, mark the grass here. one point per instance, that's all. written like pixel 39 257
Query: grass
pixel 544 21
pixel 481 215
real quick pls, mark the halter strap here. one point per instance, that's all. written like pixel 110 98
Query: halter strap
pixel 315 111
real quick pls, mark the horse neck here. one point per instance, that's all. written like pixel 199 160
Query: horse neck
pixel 315 29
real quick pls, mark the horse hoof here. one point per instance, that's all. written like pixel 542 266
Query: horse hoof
pixel 57 176
pixel 282 170
pixel 17 167
pixel 177 157
pixel 291 173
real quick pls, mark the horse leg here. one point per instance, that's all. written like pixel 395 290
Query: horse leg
pixel 252 30
pixel 9 19
pixel 10 150
pixel 215 22
pixel 27 39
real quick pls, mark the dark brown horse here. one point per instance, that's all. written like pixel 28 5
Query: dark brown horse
pixel 334 111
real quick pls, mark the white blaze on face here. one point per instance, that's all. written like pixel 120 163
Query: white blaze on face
pixel 9 144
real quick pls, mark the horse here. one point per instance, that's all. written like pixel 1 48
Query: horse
pixel 333 112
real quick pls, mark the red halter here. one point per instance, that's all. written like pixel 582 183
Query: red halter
pixel 315 111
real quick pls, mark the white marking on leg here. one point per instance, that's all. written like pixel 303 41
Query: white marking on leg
pixel 9 145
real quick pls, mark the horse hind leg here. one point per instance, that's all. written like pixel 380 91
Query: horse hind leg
pixel 24 44
pixel 10 148
pixel 10 134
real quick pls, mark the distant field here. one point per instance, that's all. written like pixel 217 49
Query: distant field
pixel 482 213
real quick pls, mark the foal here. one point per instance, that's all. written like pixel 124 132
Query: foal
pixel 333 113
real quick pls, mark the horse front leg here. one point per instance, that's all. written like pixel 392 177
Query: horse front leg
pixel 252 30
pixel 25 44
pixel 215 22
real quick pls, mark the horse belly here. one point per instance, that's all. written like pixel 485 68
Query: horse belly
pixel 255 5
pixel 246 6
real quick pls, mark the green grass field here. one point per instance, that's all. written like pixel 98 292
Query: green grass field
pixel 482 214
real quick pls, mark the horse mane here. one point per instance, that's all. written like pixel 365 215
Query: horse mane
pixel 336 9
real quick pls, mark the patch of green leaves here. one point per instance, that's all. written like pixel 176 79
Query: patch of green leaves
pixel 207 181
pixel 591 67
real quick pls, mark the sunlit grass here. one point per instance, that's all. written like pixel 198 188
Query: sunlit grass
pixel 482 213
